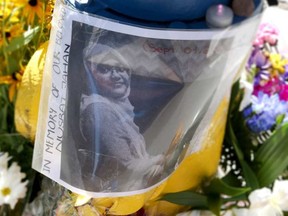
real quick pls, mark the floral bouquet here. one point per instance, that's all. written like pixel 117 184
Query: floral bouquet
pixel 252 178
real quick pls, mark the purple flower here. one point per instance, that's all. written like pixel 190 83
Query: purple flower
pixel 247 112
pixel 285 74
pixel 259 65
pixel 280 108
pixel 266 109
pixel 258 58
pixel 259 102
pixel 265 103
pixel 261 122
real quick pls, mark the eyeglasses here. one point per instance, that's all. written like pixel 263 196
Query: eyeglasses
pixel 104 69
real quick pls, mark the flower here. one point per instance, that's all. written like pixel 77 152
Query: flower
pixel 14 81
pixel 278 62
pixel 283 93
pixel 4 158
pixel 9 10
pixel 280 194
pixel 264 111
pixel 273 86
pixel 258 58
pixel 196 213
pixel 248 89
pixel 11 186
pixel 267 33
pixel 262 122
pixel 266 202
pixel 32 9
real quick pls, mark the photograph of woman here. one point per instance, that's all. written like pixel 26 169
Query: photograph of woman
pixel 113 99
pixel 114 150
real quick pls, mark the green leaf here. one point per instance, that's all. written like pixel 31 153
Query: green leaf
pixel 235 198
pixel 272 156
pixel 217 186
pixel 235 97
pixel 249 175
pixel 21 41
pixel 231 179
pixel 214 204
pixel 188 198
pixel 234 142
pixel 279 119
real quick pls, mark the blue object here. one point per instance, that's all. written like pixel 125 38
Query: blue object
pixel 162 10
pixel 184 14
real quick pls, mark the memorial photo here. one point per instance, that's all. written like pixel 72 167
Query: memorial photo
pixel 109 106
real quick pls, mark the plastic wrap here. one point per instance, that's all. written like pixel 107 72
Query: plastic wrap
pixel 128 112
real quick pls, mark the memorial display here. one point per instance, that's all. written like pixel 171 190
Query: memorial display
pixel 131 108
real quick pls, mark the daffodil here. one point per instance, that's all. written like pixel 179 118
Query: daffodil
pixel 11 186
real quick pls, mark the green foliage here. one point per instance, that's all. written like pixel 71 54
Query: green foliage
pixel 189 198
pixel 218 186
pixel 22 40
pixel 6 112
pixel 18 147
pixel 271 157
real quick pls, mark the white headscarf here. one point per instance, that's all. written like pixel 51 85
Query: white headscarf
pixel 96 53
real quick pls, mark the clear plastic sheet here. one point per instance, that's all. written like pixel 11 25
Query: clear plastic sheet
pixel 122 106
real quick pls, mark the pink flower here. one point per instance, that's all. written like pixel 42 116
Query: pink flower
pixel 283 94
pixel 267 33
pixel 273 86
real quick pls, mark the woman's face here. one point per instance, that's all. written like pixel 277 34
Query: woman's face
pixel 112 77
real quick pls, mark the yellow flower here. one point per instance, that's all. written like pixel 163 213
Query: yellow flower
pixel 14 81
pixel 33 9
pixel 49 7
pixel 11 32
pixel 9 10
pixel 278 62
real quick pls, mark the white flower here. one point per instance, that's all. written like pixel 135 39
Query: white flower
pixel 262 204
pixel 4 158
pixel 280 194
pixel 240 212
pixel 196 213
pixel 260 197
pixel 248 89
pixel 205 213
pixel 11 186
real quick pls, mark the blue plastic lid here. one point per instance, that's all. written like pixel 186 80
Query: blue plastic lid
pixel 184 14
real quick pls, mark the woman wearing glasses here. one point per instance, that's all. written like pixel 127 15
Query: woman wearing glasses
pixel 114 152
